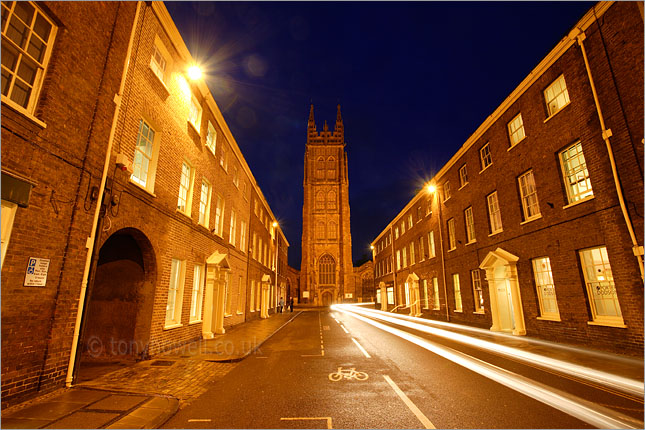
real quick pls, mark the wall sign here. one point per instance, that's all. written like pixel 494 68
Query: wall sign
pixel 36 275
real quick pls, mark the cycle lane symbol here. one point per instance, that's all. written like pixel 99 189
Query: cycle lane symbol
pixel 350 373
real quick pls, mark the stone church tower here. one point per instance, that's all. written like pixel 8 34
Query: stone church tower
pixel 326 270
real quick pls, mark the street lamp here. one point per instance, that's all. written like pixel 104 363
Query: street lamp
pixel 194 72
pixel 431 189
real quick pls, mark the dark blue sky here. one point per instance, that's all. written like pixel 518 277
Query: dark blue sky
pixel 414 80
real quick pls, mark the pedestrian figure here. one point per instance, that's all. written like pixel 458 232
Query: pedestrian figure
pixel 291 303
pixel 281 304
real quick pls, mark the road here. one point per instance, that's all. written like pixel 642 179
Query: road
pixel 287 384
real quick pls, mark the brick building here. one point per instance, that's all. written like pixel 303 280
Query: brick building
pixel 326 270
pixel 183 243
pixel 535 226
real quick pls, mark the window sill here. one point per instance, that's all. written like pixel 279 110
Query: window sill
pixel 224 168
pixel 531 219
pixel 194 127
pixel 252 310
pixel 211 150
pixel 159 79
pixel 586 199
pixel 516 143
pixel 239 313
pixel 20 110
pixel 458 311
pixel 141 187
pixel 463 186
pixel 228 315
pixel 171 326
pixel 495 233
pixel 608 324
pixel 195 322
pixel 471 242
pixel 557 112
pixel 482 170
pixel 556 319
pixel 452 249
pixel 446 200
pixel 479 313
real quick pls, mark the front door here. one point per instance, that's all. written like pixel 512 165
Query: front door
pixel 326 299
pixel 504 300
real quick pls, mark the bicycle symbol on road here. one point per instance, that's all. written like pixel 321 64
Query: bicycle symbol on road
pixel 347 374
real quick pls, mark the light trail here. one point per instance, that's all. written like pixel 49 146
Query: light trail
pixel 584 410
pixel 619 383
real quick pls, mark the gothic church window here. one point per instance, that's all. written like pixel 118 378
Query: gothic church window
pixel 320 168
pixel 332 230
pixel 331 200
pixel 320 200
pixel 320 230
pixel 331 168
pixel 326 270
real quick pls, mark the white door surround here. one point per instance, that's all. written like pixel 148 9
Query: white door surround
pixel 215 295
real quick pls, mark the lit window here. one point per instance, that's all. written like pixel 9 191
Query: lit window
pixel 390 295
pixel 556 96
pixel 396 232
pixel 457 287
pixel 405 257
pixel 196 297
pixel 145 156
pixel 185 189
pixel 410 223
pixel 463 176
pixel 228 294
pixel 258 295
pixel 411 253
pixel 243 236
pixel 331 200
pixel 426 298
pixel 576 176
pixel 158 63
pixel 419 213
pixel 8 215
pixel 205 203
pixel 402 227
pixel 485 156
pixel 451 234
pixel 219 215
pixel 398 259
pixel 470 224
pixel 240 299
pixel 236 177
pixel 252 297
pixel 516 129
pixel 223 159
pixel 435 287
pixel 327 270
pixel 27 39
pixel 175 292
pixel 545 288
pixel 446 191
pixel 530 204
pixel 601 290
pixel 195 114
pixel 232 228
pixel 254 247
pixel 211 138
pixel 477 290
pixel 431 248
pixel 494 213
pixel 378 296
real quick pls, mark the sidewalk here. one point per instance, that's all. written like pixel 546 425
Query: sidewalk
pixel 148 393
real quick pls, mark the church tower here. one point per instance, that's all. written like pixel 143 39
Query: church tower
pixel 326 270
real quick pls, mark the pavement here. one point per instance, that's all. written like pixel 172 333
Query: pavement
pixel 146 394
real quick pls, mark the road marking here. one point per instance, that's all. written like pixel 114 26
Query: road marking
pixel 344 329
pixel 361 348
pixel 199 420
pixel 312 355
pixel 424 420
pixel 351 373
pixel 325 327
pixel 328 419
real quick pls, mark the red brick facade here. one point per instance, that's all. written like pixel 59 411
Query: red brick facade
pixel 560 229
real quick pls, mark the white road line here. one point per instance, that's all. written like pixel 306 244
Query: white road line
pixel 199 420
pixel 343 327
pixel 361 348
pixel 424 420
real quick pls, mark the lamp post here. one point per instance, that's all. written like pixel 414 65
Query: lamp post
pixel 277 248
pixel 431 189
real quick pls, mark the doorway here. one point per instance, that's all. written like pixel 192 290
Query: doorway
pixel 326 299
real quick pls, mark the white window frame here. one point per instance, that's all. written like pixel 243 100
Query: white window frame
pixel 228 295
pixel 463 176
pixel 545 288
pixel 185 195
pixel 598 277
pixel 219 215
pixel 158 67
pixel 516 131
pixel 240 302
pixel 459 306
pixel 205 202
pixel 478 293
pixel 446 191
pixel 556 96
pixel 232 231
pixel 9 210
pixel 412 253
pixel 485 156
pixel 431 247
pixel 252 297
pixel 426 298
pixel 23 57
pixel 575 173
pixel 378 296
pixel 243 236
pixel 197 294
pixel 145 158
pixel 236 177
pixel 435 288
pixel 405 257
pixel 175 293
pixel 211 138
pixel 398 259
pixel 528 196
pixel 494 213
pixel 470 225
pixel 223 160
pixel 195 113
pixel 390 295
pixel 410 222
pixel 452 242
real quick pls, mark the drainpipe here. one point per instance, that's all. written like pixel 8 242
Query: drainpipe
pixel 578 34
pixel 92 239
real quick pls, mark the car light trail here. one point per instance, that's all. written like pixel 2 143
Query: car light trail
pixel 588 412
pixel 623 384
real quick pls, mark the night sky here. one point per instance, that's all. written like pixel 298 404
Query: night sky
pixel 414 81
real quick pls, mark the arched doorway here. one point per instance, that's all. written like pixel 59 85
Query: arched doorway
pixel 327 279
pixel 326 299
pixel 119 312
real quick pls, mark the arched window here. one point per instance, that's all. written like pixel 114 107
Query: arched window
pixel 332 230
pixel 320 200
pixel 331 200
pixel 331 168
pixel 320 168
pixel 326 270
pixel 320 230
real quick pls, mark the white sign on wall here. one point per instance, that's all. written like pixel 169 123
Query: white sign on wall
pixel 305 294
pixel 36 275
pixel 348 295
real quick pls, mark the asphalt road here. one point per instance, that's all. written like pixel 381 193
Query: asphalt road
pixel 288 383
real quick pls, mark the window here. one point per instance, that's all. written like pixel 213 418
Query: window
pixel 516 129
pixel 320 200
pixel 158 63
pixel 332 228
pixel 601 290
pixel 463 176
pixel 320 168
pixel 196 297
pixel 528 192
pixel 175 292
pixel 419 213
pixel 545 288
pixel 331 168
pixel 8 215
pixel 446 191
pixel 396 232
pixel 390 295
pixel 410 223
pixel 422 255
pixel 232 228
pixel 256 208
pixel 405 257
pixel 219 215
pixel 576 176
pixel 236 177
pixel 254 248
pixel 145 157
pixel 195 113
pixel 228 294
pixel 320 230
pixel 494 213
pixel 556 96
pixel 240 301
pixel 185 189
pixel 211 138
pixel 27 39
pixel 426 298
pixel 331 200
pixel 470 224
pixel 223 158
pixel 435 287
pixel 205 203
pixel 431 248
pixel 258 295
pixel 455 284
pixel 327 270
pixel 403 227
pixel 252 297
pixel 243 236
pixel 398 259
pixel 477 290
pixel 411 253
pixel 378 296
pixel 451 234
pixel 485 156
